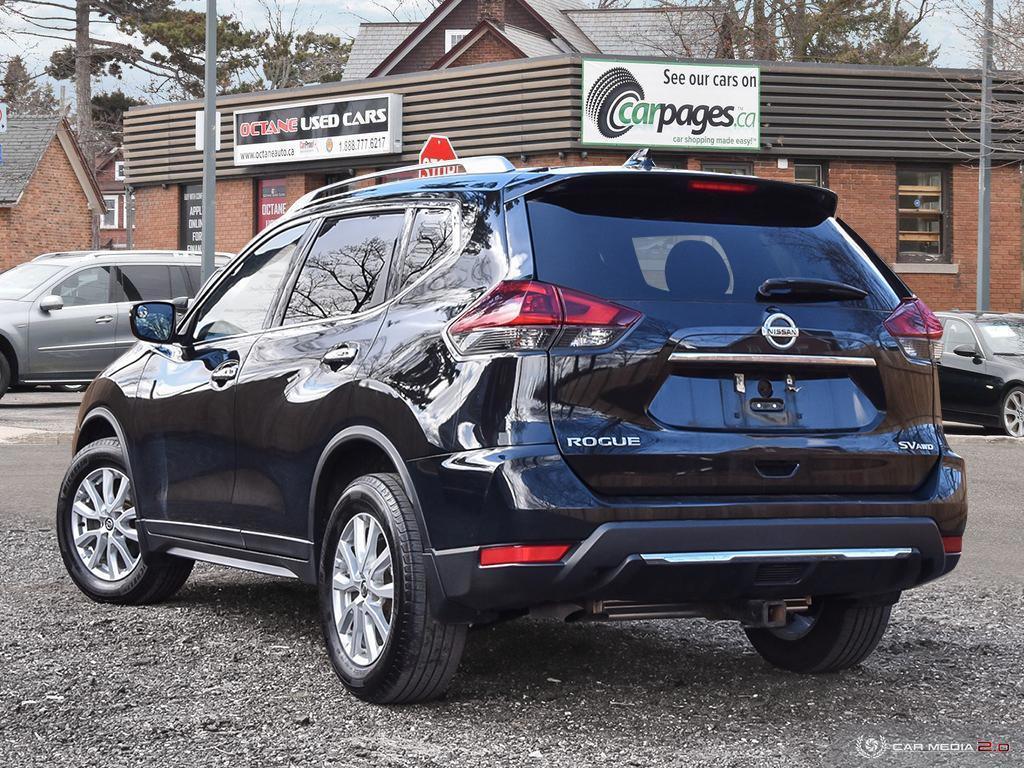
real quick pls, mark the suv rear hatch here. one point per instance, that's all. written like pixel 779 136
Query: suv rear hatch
pixel 773 355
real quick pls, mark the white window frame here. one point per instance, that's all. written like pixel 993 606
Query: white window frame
pixel 449 37
pixel 117 212
pixel 119 170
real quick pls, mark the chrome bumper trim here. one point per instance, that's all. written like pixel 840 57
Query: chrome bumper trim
pixel 769 359
pixel 761 555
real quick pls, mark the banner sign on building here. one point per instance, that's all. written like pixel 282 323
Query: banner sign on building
pixel 682 106
pixel 319 130
pixel 271 202
pixel 190 218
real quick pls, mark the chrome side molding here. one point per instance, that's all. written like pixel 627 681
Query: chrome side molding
pixel 769 359
pixel 767 555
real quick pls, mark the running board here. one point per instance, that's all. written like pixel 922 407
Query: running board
pixel 232 562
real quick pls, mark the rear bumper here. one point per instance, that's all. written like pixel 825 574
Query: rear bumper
pixel 528 494
pixel 703 561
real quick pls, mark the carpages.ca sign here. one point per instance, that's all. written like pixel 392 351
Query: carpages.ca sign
pixel 319 130
pixel 683 106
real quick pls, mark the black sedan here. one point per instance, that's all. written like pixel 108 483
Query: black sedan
pixel 981 375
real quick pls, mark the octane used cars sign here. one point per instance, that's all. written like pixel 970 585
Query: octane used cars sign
pixel 657 104
pixel 319 130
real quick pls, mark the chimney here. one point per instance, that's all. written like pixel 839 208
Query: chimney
pixel 492 10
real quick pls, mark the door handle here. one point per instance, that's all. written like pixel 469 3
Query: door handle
pixel 225 372
pixel 339 357
pixel 103 319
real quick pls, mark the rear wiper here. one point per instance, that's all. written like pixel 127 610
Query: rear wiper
pixel 808 289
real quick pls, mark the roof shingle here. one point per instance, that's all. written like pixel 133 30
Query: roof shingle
pixel 23 146
pixel 689 32
pixel 372 45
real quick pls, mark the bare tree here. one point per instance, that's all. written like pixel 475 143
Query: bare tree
pixel 1006 107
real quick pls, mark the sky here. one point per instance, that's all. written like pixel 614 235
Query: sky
pixel 342 18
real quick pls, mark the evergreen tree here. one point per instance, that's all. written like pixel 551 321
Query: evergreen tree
pixel 23 94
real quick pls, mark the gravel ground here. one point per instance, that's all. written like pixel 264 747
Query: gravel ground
pixel 232 672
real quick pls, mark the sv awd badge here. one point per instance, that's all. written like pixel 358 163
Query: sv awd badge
pixel 604 442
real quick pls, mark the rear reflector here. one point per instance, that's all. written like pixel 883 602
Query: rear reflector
pixel 523 553
pixel 952 545
pixel 917 330
pixel 528 315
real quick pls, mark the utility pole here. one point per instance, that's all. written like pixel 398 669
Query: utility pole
pixel 210 129
pixel 985 164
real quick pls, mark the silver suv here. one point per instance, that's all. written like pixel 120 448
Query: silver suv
pixel 64 316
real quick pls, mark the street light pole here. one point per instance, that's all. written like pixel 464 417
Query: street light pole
pixel 210 129
pixel 985 164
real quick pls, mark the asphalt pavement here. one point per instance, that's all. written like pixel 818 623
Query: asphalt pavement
pixel 232 671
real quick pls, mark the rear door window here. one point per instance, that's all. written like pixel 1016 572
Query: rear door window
pixel 432 238
pixel 144 282
pixel 343 269
pixel 645 245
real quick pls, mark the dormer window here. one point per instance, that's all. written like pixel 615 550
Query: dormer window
pixel 453 36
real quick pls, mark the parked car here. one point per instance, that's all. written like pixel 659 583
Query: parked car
pixel 64 316
pixel 591 394
pixel 981 373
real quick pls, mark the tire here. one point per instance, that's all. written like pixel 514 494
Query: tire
pixel 152 578
pixel 1011 413
pixel 419 655
pixel 5 374
pixel 839 635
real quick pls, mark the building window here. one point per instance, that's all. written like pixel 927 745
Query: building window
pixel 110 219
pixel 119 170
pixel 814 174
pixel 921 215
pixel 453 36
pixel 740 169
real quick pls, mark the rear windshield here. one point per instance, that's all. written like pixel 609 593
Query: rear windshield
pixel 20 281
pixel 639 250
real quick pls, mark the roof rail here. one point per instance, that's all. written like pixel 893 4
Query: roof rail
pixel 484 164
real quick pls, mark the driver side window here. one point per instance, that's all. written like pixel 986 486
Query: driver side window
pixel 242 301
pixel 957 334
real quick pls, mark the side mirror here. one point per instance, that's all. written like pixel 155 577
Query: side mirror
pixel 182 303
pixel 966 350
pixel 51 303
pixel 153 321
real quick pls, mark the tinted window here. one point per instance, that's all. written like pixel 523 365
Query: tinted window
pixel 342 271
pixel 145 282
pixel 643 244
pixel 179 283
pixel 90 286
pixel 433 236
pixel 241 302
pixel 957 334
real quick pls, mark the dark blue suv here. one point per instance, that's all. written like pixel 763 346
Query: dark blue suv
pixel 595 394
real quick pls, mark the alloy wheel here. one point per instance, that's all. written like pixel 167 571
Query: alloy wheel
pixel 1013 413
pixel 103 525
pixel 363 589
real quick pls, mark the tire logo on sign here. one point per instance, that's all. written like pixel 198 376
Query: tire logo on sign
pixel 780 330
pixel 606 94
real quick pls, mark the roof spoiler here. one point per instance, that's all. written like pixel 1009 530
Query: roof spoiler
pixel 485 164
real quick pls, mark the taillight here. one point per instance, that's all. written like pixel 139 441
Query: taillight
pixel 917 330
pixel 528 315
pixel 523 553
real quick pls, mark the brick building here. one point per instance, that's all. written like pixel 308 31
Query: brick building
pixel 113 223
pixel 48 194
pixel 506 77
